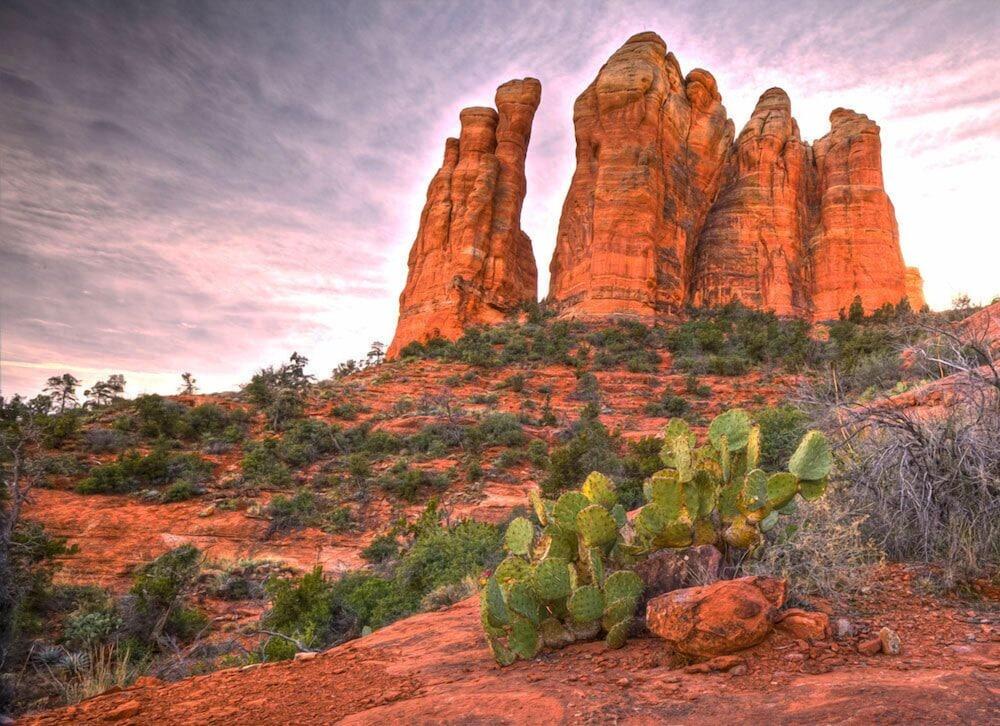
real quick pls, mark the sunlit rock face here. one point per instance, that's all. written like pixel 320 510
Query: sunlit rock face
pixel 471 262
pixel 650 149
pixel 665 209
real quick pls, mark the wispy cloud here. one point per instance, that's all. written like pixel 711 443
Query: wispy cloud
pixel 208 187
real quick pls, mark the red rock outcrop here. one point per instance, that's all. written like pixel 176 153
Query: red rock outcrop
pixel 471 263
pixel 751 248
pixel 855 250
pixel 915 288
pixel 650 147
pixel 664 210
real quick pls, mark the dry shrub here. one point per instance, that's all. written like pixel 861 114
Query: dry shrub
pixel 821 548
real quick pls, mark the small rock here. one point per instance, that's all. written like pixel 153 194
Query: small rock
pixel 305 655
pixel 125 710
pixel 740 670
pixel 890 641
pixel 870 647
pixel 795 657
pixel 719 663
pixel 842 628
pixel 623 682
pixel 805 624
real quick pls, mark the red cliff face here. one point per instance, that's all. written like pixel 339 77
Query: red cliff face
pixel 855 249
pixel 752 245
pixel 664 210
pixel 650 146
pixel 471 263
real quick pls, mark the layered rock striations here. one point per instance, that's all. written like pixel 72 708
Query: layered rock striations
pixel 666 210
pixel 650 148
pixel 471 262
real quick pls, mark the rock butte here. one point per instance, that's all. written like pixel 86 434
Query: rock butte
pixel 471 263
pixel 665 209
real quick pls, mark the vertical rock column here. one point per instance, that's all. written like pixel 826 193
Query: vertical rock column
pixel 650 146
pixel 855 249
pixel 471 262
pixel 752 246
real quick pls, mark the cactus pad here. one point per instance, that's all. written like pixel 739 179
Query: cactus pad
pixel 810 490
pixel 501 653
pixel 540 507
pixel 586 604
pixel 595 565
pixel 512 569
pixel 599 489
pixel 523 639
pixel 619 515
pixel 676 534
pixel 734 424
pixel 781 488
pixel 552 579
pixel 520 535
pixel 623 585
pixel 812 459
pixel 741 534
pixel 493 603
pixel 521 600
pixel 559 543
pixel 596 526
pixel 567 507
pixel 666 490
pixel 618 635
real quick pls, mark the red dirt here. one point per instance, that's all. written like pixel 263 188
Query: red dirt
pixel 435 668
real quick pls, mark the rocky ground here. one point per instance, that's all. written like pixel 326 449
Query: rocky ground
pixel 436 668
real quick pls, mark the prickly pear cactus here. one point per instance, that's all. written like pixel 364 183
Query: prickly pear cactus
pixel 567 575
pixel 717 492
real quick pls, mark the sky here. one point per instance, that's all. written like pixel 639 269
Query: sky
pixel 208 186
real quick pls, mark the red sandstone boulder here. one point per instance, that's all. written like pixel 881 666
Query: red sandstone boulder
pixel 804 624
pixel 717 619
pixel 471 263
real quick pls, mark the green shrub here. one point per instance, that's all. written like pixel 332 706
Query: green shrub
pixel 180 491
pixel 589 448
pixel 513 383
pixel 262 464
pixel 296 512
pixel 587 389
pixel 499 429
pixel 159 588
pixel 382 548
pixel 132 471
pixel 406 482
pixel 301 608
pixel 781 429
pixel 88 628
pixel 59 429
pixel 669 405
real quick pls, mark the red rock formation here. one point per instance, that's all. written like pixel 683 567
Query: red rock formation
pixel 915 288
pixel 855 251
pixel 751 248
pixel 650 146
pixel 471 263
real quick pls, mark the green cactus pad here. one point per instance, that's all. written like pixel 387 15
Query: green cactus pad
pixel 753 495
pixel 618 635
pixel 753 448
pixel 705 532
pixel 682 457
pixel 810 490
pixel 678 533
pixel 729 497
pixel 813 459
pixel 725 459
pixel 586 604
pixel 677 428
pixel 567 507
pixel 734 424
pixel 666 490
pixel 557 608
pixel 652 519
pixel 599 489
pixel 496 608
pixel 595 565
pixel 490 627
pixel 540 507
pixel 512 569
pixel 620 516
pixel 501 653
pixel 552 579
pixel 781 489
pixel 521 600
pixel 623 585
pixel 617 612
pixel 555 634
pixel 741 534
pixel 596 526
pixel 523 639
pixel 559 543
pixel 520 535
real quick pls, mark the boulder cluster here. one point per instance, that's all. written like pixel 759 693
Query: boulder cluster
pixel 666 208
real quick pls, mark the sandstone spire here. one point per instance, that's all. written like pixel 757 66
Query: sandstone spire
pixel 752 246
pixel 470 262
pixel 650 147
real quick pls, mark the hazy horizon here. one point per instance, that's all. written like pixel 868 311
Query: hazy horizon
pixel 207 187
